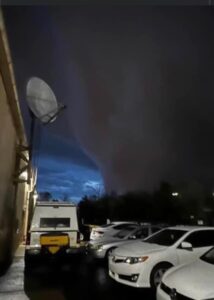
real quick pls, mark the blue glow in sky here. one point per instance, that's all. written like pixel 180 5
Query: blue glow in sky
pixel 61 177
pixel 64 170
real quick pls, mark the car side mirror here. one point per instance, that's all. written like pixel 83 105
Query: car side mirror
pixel 132 237
pixel 186 246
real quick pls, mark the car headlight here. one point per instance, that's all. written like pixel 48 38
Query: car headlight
pixel 135 260
pixel 97 247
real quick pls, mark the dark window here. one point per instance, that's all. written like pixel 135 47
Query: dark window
pixel 54 222
pixel 208 256
pixel 155 229
pixel 121 226
pixel 106 225
pixel 123 233
pixel 166 237
pixel 142 233
pixel 202 238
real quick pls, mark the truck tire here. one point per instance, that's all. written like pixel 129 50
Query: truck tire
pixel 29 263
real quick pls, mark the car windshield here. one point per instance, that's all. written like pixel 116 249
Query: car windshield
pixel 123 233
pixel 166 237
pixel 106 225
pixel 209 257
pixel 54 222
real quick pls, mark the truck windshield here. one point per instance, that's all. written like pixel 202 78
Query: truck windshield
pixel 54 222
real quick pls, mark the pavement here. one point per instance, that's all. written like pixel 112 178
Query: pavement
pixel 12 283
pixel 82 279
pixel 20 252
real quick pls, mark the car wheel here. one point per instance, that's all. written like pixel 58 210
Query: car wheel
pixel 108 251
pixel 157 274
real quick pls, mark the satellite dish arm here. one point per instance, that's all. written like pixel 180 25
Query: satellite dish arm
pixel 62 107
pixel 31 143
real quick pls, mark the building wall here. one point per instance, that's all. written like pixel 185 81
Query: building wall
pixel 8 142
pixel 14 196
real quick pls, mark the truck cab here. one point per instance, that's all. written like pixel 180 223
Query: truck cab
pixel 54 232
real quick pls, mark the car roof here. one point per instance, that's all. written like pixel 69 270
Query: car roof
pixel 190 228
pixel 123 222
pixel 54 203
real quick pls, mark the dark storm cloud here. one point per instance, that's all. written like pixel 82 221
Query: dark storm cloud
pixel 138 82
pixel 59 148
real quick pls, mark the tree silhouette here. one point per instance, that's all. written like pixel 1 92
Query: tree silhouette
pixel 45 196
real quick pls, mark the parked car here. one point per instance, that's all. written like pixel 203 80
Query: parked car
pixel 190 281
pixel 102 247
pixel 54 232
pixel 108 229
pixel 143 263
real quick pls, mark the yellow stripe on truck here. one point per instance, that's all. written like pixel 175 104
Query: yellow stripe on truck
pixel 61 240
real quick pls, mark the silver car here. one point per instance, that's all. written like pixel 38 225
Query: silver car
pixel 101 248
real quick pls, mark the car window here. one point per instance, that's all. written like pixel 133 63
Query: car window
pixel 54 222
pixel 121 226
pixel 106 225
pixel 166 237
pixel 123 233
pixel 141 233
pixel 155 229
pixel 202 238
pixel 208 256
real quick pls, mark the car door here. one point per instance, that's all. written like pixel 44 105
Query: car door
pixel 201 241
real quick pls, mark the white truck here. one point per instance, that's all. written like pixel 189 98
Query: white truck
pixel 54 233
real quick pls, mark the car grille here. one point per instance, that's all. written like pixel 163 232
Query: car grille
pixel 125 277
pixel 169 292
pixel 118 259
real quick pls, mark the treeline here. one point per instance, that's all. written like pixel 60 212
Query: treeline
pixel 188 206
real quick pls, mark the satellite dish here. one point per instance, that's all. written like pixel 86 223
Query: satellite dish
pixel 41 100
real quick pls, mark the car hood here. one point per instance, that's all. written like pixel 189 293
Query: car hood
pixel 137 248
pixel 103 240
pixel 194 280
pixel 116 242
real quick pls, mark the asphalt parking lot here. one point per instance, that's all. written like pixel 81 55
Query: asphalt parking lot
pixel 81 279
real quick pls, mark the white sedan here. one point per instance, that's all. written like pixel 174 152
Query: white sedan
pixel 190 281
pixel 143 263
pixel 108 229
pixel 102 247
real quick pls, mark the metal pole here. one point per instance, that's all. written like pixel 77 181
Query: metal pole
pixel 32 131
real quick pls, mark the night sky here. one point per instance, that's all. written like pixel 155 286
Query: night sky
pixel 138 83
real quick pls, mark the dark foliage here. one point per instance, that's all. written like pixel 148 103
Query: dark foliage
pixel 161 206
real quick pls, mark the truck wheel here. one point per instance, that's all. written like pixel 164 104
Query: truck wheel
pixel 29 263
pixel 157 273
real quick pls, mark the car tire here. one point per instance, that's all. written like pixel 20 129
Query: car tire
pixel 157 273
pixel 108 251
